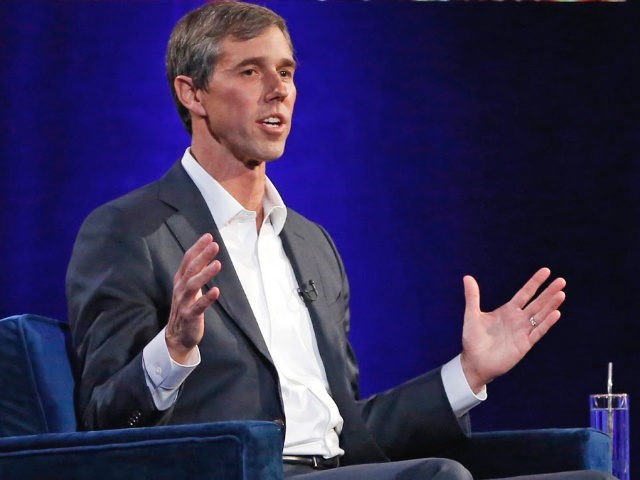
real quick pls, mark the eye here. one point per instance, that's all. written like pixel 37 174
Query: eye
pixel 286 73
pixel 249 72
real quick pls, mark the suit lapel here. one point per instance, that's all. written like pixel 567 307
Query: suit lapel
pixel 328 337
pixel 192 220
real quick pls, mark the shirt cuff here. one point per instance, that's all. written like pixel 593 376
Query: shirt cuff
pixel 163 375
pixel 459 393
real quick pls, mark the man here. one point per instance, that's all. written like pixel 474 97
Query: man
pixel 200 297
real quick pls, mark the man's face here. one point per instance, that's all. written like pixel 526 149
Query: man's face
pixel 250 97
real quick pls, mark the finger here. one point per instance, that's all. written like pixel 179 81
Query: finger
pixel 196 282
pixel 193 252
pixel 187 287
pixel 209 297
pixel 471 295
pixel 548 295
pixel 529 289
pixel 543 327
pixel 201 261
pixel 188 280
pixel 551 305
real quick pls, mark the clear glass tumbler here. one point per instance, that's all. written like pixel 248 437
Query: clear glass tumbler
pixel 610 414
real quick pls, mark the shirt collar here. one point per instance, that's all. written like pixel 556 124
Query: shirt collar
pixel 227 207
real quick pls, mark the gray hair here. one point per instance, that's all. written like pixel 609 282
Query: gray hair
pixel 195 43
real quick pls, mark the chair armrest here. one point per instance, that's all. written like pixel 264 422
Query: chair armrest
pixel 523 452
pixel 248 450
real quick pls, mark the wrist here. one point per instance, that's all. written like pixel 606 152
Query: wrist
pixel 476 382
pixel 178 352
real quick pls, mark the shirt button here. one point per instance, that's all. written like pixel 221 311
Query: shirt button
pixel 158 370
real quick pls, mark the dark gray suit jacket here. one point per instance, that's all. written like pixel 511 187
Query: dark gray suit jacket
pixel 119 289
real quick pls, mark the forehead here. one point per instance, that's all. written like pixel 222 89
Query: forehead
pixel 271 43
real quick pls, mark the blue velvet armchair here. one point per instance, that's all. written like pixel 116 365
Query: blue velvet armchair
pixel 39 441
pixel 38 437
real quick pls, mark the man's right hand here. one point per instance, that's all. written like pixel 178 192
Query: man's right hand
pixel 185 327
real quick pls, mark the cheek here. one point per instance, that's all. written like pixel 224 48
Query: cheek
pixel 292 97
pixel 233 100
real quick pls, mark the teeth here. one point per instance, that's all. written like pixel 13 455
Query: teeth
pixel 271 121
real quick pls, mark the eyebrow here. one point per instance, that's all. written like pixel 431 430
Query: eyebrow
pixel 284 62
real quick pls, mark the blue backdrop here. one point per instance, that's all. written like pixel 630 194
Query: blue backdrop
pixel 432 140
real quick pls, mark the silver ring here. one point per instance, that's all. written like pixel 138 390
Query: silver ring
pixel 532 321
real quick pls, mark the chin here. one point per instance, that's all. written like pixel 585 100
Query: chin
pixel 272 159
pixel 272 154
pixel 264 159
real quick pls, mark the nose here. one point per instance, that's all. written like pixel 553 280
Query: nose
pixel 278 88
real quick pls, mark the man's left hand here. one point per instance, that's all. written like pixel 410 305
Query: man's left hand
pixel 494 342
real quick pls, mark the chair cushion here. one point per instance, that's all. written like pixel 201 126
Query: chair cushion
pixel 36 378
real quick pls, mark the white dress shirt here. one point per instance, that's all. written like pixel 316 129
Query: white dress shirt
pixel 268 280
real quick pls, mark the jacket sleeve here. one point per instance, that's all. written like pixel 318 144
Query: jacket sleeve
pixel 415 419
pixel 116 306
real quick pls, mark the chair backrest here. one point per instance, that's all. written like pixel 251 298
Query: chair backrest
pixel 36 376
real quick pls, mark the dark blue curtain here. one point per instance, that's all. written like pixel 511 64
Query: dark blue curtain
pixel 432 140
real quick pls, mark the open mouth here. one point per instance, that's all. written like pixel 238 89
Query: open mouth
pixel 272 122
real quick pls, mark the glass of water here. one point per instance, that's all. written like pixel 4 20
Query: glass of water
pixel 610 414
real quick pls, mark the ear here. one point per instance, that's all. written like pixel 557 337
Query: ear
pixel 188 95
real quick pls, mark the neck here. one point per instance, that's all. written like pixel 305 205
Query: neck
pixel 244 182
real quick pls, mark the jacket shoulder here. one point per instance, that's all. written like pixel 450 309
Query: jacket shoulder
pixel 144 208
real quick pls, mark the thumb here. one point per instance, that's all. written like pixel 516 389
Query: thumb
pixel 471 295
